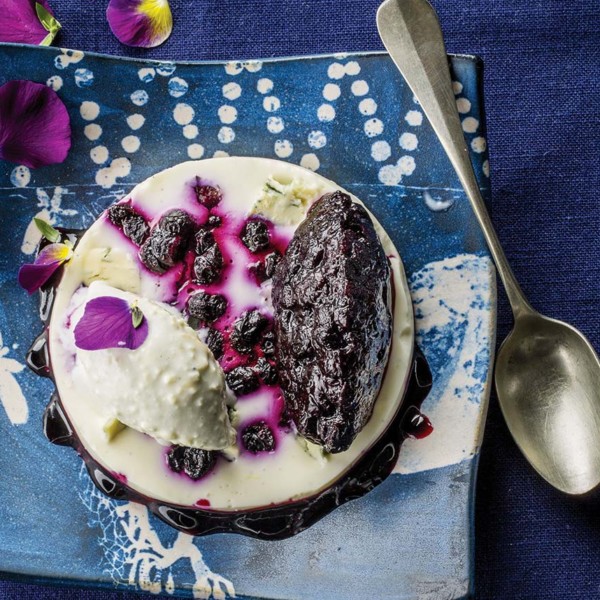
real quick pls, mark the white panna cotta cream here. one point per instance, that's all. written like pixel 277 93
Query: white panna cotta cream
pixel 129 406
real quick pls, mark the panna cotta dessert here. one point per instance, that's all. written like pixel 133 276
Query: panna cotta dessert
pixel 232 344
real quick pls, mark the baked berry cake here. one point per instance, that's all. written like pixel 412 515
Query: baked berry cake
pixel 232 345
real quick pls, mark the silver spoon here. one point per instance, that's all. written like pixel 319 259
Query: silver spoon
pixel 547 374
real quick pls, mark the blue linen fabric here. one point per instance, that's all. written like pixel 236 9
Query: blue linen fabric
pixel 542 88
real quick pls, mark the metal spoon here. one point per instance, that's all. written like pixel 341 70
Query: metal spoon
pixel 547 374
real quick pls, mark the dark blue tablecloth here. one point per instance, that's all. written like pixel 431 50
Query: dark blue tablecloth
pixel 542 86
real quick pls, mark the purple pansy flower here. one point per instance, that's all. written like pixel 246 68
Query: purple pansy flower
pixel 33 277
pixel 27 22
pixel 110 322
pixel 35 129
pixel 141 23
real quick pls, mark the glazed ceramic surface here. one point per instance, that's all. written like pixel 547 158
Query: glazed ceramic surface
pixel 352 119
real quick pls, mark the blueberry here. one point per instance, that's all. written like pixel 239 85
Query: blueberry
pixel 168 241
pixel 175 458
pixel 258 438
pixel 255 235
pixel 214 221
pixel 168 248
pixel 266 269
pixel 207 195
pixel 136 229
pixel 242 381
pixel 271 261
pixel 207 266
pixel 197 463
pixel 132 224
pixel 268 344
pixel 266 371
pixel 205 307
pixel 176 222
pixel 118 213
pixel 204 240
pixel 247 331
pixel 214 340
pixel 149 259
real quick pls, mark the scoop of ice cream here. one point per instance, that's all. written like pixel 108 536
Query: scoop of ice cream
pixel 171 387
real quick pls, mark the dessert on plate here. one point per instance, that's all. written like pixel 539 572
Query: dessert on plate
pixel 232 345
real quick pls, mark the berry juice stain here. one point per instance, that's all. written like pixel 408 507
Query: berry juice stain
pixel 121 477
pixel 415 424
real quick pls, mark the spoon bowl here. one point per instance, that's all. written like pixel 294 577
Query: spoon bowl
pixel 547 373
pixel 548 382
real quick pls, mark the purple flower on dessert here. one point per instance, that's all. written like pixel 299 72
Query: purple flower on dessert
pixel 27 22
pixel 33 277
pixel 141 23
pixel 110 322
pixel 35 129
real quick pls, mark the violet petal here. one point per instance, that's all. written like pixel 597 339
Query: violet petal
pixel 35 129
pixel 33 277
pixel 140 23
pixel 106 323
pixel 20 23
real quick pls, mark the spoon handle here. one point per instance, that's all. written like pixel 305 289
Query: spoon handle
pixel 411 32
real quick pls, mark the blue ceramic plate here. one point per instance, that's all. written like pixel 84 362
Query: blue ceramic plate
pixel 351 118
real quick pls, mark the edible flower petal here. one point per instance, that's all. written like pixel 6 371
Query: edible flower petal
pixel 107 323
pixel 33 277
pixel 27 22
pixel 140 23
pixel 35 129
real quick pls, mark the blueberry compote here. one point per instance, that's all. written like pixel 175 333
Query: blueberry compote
pixel 194 242
pixel 332 302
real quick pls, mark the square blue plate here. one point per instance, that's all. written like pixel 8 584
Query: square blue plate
pixel 352 118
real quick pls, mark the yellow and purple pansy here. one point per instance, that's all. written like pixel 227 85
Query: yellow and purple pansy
pixel 50 258
pixel 140 23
